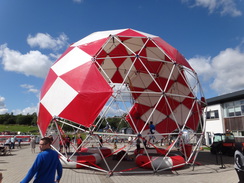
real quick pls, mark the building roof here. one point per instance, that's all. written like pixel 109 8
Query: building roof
pixel 226 98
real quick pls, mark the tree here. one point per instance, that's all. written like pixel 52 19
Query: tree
pixel 29 119
pixel 10 119
pixel 3 118
pixel 24 119
pixel 34 119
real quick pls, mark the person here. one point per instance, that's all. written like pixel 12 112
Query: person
pixel 8 143
pixel 67 143
pixel 45 166
pixel 33 144
pixel 138 143
pixel 100 141
pixel 239 162
pixel 13 139
pixel 152 128
pixel 1 177
pixel 129 140
pixel 79 142
pixel 3 150
pixel 144 142
pixel 61 144
pixel 228 131
pixel 115 145
pixel 151 138
pixel 19 142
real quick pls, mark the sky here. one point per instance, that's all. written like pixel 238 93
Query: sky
pixel 34 33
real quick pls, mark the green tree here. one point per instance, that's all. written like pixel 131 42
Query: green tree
pixel 34 119
pixel 3 118
pixel 11 119
pixel 24 119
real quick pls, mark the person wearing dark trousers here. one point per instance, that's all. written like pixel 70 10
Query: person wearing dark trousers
pixel 239 162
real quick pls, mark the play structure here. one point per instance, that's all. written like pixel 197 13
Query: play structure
pixel 154 89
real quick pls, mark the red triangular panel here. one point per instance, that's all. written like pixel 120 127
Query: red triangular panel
pixel 117 78
pixel 136 95
pixel 82 109
pixel 130 32
pixel 194 119
pixel 118 61
pixel 163 106
pixel 172 52
pixel 44 118
pixel 93 47
pixel 118 51
pixel 92 89
pixel 51 77
pixel 136 112
pixel 166 126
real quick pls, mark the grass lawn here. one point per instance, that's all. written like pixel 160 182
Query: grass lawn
pixel 206 148
pixel 19 128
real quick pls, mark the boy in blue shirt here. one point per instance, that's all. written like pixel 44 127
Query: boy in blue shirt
pixel 152 128
pixel 45 166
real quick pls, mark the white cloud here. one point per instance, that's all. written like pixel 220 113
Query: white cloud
pixel 224 71
pixel 27 110
pixel 33 63
pixel 229 66
pixel 78 1
pixel 3 108
pixel 54 56
pixel 202 65
pixel 30 88
pixel 121 92
pixel 113 111
pixel 45 41
pixel 224 7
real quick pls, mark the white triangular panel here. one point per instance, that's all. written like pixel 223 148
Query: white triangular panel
pixel 59 90
pixel 71 60
pixel 97 36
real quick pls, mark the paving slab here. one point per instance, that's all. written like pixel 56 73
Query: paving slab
pixel 208 169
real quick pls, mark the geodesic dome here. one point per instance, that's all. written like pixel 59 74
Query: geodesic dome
pixel 91 75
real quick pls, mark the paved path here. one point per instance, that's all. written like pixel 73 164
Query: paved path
pixel 14 167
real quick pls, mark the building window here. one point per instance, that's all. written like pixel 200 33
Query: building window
pixel 238 133
pixel 242 109
pixel 231 111
pixel 213 114
pixel 235 108
pixel 238 111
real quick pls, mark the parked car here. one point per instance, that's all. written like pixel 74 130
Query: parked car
pixel 223 143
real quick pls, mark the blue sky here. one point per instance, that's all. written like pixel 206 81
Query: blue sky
pixel 33 34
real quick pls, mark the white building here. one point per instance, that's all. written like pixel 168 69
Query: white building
pixel 225 112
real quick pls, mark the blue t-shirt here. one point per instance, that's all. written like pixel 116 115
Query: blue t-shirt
pixel 44 168
pixel 152 128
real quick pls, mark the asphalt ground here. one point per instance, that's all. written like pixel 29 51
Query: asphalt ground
pixel 208 169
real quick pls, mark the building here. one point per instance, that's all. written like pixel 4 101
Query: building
pixel 225 112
